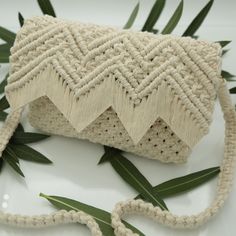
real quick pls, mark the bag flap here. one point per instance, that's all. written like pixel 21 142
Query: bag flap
pixel 84 69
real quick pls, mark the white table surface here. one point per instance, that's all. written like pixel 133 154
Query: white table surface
pixel 75 173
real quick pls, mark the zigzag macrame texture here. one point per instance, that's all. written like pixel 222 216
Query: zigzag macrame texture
pixel 84 69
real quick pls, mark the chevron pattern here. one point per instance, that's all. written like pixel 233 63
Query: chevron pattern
pixel 88 56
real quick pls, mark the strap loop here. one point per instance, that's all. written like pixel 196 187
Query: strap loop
pixel 224 183
pixel 59 217
pixel 137 206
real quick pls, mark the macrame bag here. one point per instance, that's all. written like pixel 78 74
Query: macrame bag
pixel 150 95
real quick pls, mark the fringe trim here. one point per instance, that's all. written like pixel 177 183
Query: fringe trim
pixel 82 111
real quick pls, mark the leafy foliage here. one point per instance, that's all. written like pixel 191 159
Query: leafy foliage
pixel 233 90
pixel 223 43
pixel 17 149
pixel 226 75
pixel 174 19
pixel 154 15
pixel 46 7
pixel 21 19
pixel 3 115
pixel 132 17
pixel 155 195
pixel 13 162
pixel 27 153
pixel 3 83
pixel 198 20
pixel 7 36
pixel 102 217
pixel 185 183
pixel 4 103
pixel 27 137
pixel 133 176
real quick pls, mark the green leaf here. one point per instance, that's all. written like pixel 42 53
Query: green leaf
pixel 46 7
pixel 132 17
pixel 174 20
pixel 20 128
pixel 102 217
pixel 227 76
pixel 4 57
pixel 198 20
pixel 223 43
pixel 3 115
pixel 1 164
pixel 154 31
pixel 4 53
pixel 133 177
pixel 7 36
pixel 27 153
pixel 224 52
pixel 4 103
pixel 185 183
pixel 154 15
pixel 109 152
pixel 233 90
pixel 3 84
pixel 195 36
pixel 27 137
pixel 11 162
pixel 5 48
pixel 21 19
pixel 11 152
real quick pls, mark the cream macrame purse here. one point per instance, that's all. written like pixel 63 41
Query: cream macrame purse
pixel 150 95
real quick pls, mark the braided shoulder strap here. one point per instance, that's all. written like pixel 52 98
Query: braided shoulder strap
pixel 137 206
pixel 224 183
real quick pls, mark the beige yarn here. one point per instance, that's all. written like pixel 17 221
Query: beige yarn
pixel 157 92
pixel 82 79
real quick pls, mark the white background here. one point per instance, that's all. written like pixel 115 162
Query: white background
pixel 75 173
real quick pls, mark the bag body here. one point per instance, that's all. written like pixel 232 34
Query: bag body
pixel 146 94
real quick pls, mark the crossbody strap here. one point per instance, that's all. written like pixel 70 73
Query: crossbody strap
pixel 36 221
pixel 136 206
pixel 223 188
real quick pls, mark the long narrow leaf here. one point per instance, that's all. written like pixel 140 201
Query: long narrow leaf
pixel 198 20
pixel 5 48
pixel 27 137
pixel 233 90
pixel 4 53
pixel 7 35
pixel 12 153
pixel 224 51
pixel 185 183
pixel 27 153
pixel 4 57
pixel 4 103
pixel 108 154
pixel 11 162
pixel 20 128
pixel 21 19
pixel 102 217
pixel 3 115
pixel 226 75
pixel 1 164
pixel 223 43
pixel 46 7
pixel 154 15
pixel 154 31
pixel 132 17
pixel 3 84
pixel 174 20
pixel 133 177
